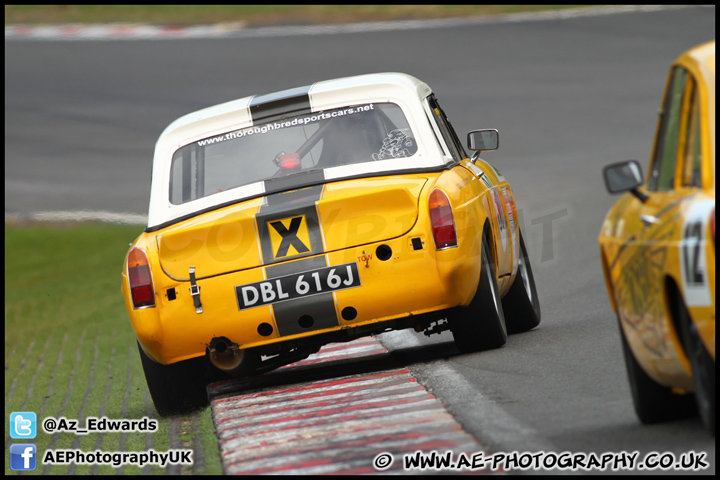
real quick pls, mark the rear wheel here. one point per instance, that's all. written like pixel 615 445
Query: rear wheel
pixel 481 325
pixel 703 369
pixel 177 388
pixel 521 305
pixel 653 402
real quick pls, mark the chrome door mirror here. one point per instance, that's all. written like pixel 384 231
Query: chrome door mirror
pixel 624 176
pixel 482 140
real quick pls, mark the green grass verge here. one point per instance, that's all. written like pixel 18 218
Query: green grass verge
pixel 253 15
pixel 70 350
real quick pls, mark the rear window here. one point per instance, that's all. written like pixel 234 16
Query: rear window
pixel 343 136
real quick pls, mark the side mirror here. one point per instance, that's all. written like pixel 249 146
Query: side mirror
pixel 624 176
pixel 481 140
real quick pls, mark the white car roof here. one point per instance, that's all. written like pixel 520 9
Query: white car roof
pixel 404 90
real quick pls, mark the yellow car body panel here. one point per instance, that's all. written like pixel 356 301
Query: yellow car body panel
pixel 652 249
pixel 225 240
pixel 220 241
pixel 368 210
pixel 413 281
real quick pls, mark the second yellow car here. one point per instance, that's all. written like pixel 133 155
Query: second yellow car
pixel 657 246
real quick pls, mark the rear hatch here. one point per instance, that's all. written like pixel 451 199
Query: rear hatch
pixel 289 225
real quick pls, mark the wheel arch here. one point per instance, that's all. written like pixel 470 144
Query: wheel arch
pixel 608 280
pixel 487 235
pixel 673 299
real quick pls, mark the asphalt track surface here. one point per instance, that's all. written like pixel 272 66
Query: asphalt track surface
pixel 568 96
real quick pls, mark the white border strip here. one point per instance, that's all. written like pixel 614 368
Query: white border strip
pixel 80 216
pixel 496 427
pixel 116 32
pixel 238 30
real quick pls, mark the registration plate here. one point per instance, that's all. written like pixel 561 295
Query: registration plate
pixel 297 285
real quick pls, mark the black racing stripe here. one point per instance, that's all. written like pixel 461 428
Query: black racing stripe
pixel 272 106
pixel 303 314
pixel 288 268
pixel 294 217
pixel 302 197
pixel 306 314
pixel 297 180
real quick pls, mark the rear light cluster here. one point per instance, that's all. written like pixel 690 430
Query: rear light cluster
pixel 140 279
pixel 442 221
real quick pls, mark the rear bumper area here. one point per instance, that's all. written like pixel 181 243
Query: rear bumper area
pixel 360 291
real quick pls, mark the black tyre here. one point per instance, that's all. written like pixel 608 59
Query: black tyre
pixel 178 388
pixel 703 369
pixel 653 402
pixel 481 325
pixel 521 304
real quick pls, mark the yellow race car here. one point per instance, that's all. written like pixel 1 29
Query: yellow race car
pixel 657 246
pixel 281 222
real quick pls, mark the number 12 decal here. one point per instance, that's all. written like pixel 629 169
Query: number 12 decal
pixel 693 261
pixel 692 239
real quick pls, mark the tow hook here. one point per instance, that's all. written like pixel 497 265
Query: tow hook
pixel 437 327
pixel 195 291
